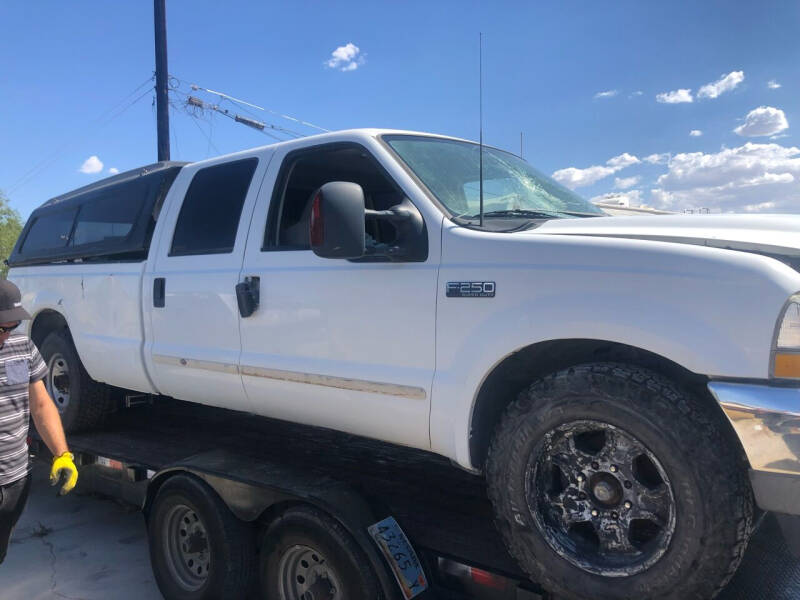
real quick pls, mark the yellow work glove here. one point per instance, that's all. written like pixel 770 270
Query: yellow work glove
pixel 62 464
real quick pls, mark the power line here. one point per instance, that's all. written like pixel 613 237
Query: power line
pixel 97 123
pixel 195 107
pixel 210 136
pixel 207 136
pixel 294 133
pixel 195 102
pixel 195 87
pixel 174 131
pixel 236 100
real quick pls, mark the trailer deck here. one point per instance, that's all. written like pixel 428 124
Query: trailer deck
pixel 443 510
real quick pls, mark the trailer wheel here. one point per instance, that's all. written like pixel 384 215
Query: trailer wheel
pixel 307 555
pixel 82 402
pixel 198 549
pixel 610 482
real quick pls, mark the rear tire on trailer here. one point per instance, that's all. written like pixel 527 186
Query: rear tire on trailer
pixel 305 551
pixel 198 549
pixel 610 482
pixel 82 402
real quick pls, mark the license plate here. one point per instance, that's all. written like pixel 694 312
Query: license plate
pixel 401 557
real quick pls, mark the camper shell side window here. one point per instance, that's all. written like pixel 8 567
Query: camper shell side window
pixel 109 221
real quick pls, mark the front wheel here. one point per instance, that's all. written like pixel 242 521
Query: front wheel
pixel 610 482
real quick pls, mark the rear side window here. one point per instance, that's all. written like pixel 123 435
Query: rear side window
pixel 50 231
pixel 107 219
pixel 210 213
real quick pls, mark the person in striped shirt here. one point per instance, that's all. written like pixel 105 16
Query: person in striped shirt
pixel 23 395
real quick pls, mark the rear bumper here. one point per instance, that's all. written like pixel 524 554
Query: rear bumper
pixel 767 421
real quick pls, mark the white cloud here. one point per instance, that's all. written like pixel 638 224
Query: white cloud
pixel 346 58
pixel 675 97
pixel 631 198
pixel 573 177
pixel 752 177
pixel 606 94
pixel 657 159
pixel 762 121
pixel 113 170
pixel 637 93
pixel 725 83
pixel 773 85
pixel 760 207
pixel 91 165
pixel 623 183
pixel 622 161
pixel 695 133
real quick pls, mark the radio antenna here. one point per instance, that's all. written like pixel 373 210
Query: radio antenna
pixel 480 118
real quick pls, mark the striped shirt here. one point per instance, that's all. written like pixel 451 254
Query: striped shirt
pixel 20 365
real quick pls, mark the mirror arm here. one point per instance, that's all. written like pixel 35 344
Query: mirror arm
pixel 410 230
pixel 396 214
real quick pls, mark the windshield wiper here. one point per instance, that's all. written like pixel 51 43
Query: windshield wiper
pixel 519 212
pixel 582 214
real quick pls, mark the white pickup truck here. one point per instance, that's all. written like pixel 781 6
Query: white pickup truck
pixel 628 385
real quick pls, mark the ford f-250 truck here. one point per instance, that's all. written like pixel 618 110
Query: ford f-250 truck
pixel 628 385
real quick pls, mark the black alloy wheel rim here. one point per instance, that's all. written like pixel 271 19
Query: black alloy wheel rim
pixel 600 498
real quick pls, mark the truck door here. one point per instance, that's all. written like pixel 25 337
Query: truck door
pixel 190 293
pixel 342 344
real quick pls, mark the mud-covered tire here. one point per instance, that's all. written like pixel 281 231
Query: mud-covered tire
pixel 88 402
pixel 227 544
pixel 712 499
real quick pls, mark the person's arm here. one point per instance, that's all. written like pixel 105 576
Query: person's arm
pixel 48 424
pixel 46 418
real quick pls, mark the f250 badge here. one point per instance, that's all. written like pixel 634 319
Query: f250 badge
pixel 471 289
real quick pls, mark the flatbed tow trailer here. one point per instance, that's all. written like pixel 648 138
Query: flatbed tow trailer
pixel 260 468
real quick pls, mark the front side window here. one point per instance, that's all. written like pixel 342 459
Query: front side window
pixel 49 231
pixel 305 171
pixel 450 169
pixel 210 213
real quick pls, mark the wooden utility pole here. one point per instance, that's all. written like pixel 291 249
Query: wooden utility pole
pixel 162 76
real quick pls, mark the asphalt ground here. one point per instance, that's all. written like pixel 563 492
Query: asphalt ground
pixel 77 547
pixel 85 547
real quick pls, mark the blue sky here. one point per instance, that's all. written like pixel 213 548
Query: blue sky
pixel 69 70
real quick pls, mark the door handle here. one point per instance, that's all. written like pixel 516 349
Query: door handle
pixel 248 296
pixel 159 292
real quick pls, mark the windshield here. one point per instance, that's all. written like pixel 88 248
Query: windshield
pixel 511 187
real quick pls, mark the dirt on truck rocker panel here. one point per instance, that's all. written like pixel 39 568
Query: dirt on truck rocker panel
pixel 628 386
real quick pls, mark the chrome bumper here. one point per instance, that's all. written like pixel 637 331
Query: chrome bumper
pixel 767 421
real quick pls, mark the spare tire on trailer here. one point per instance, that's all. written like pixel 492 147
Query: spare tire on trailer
pixel 611 482
pixel 82 402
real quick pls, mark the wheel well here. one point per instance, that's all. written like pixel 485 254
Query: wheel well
pixel 519 369
pixel 45 323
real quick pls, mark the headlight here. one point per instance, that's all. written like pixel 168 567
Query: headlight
pixel 786 347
